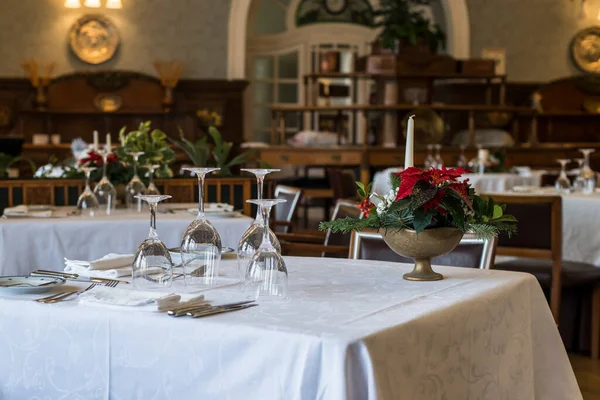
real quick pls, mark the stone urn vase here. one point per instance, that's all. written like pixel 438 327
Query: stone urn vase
pixel 422 247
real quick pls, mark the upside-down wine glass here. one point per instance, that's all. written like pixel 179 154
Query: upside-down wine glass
pixel 152 266
pixel 87 201
pixel 429 160
pixel 563 184
pixel 135 187
pixel 438 157
pixel 252 238
pixel 201 243
pixel 579 182
pixel 152 189
pixel 589 176
pixel 104 190
pixel 462 159
pixel 266 274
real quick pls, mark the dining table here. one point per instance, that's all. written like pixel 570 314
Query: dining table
pixel 29 243
pixel 348 329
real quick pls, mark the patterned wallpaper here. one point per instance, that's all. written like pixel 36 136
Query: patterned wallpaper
pixel 535 33
pixel 193 31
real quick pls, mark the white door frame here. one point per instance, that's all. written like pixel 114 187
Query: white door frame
pixel 457 27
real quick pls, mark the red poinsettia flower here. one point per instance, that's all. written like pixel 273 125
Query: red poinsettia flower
pixel 435 202
pixel 96 158
pixel 462 188
pixel 408 178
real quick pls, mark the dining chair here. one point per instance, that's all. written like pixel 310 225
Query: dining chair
pixel 285 212
pixel 323 243
pixel 471 252
pixel 343 183
pixel 537 248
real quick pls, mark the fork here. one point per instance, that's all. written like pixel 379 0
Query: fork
pixel 63 295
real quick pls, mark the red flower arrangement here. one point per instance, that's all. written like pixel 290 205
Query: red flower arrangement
pixel 97 159
pixel 424 199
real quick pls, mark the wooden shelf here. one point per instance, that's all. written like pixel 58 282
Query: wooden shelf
pixel 407 107
pixel 365 75
pixel 155 113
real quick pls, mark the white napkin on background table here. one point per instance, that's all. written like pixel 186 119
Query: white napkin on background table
pixel 24 211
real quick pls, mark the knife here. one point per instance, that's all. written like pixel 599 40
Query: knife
pixel 74 277
pixel 219 310
pixel 178 312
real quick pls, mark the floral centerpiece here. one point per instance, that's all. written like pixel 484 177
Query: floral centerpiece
pixel 427 210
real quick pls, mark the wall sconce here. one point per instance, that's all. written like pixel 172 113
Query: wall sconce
pixel 114 4
pixel 72 4
pixel 92 3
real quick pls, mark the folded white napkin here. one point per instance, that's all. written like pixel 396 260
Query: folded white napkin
pixel 106 273
pixel 217 207
pixel 24 211
pixel 152 301
pixel 109 261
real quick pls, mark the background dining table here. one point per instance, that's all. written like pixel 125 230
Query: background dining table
pixel 27 244
pixel 347 330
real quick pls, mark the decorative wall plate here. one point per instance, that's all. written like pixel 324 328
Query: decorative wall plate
pixel 94 39
pixel 585 50
pixel 108 102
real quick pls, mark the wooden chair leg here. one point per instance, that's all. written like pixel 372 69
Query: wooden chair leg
pixel 595 339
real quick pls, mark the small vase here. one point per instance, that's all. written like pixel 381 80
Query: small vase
pixel 422 247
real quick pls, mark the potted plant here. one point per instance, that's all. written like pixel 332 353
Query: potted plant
pixel 218 153
pixel 7 161
pixel 153 143
pixel 425 215
pixel 404 26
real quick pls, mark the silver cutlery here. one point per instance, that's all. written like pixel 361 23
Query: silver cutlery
pixel 178 312
pixel 219 310
pixel 63 295
pixel 74 277
pixel 27 284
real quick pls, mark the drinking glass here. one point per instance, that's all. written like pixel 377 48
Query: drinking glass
pixel 266 274
pixel 201 243
pixel 563 184
pixel 252 238
pixel 429 160
pixel 152 189
pixel 462 159
pixel 579 182
pixel 104 190
pixel 152 265
pixel 589 176
pixel 87 201
pixel 135 187
pixel 438 157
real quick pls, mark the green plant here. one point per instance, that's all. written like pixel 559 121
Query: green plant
pixel 197 152
pixel 7 161
pixel 402 24
pixel 202 153
pixel 221 150
pixel 153 143
pixel 429 199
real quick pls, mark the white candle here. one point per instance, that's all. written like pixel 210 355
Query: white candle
pixel 410 140
pixel 108 143
pixel 95 140
pixel 122 141
pixel 482 158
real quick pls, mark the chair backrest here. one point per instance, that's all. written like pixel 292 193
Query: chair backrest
pixel 343 209
pixel 285 212
pixel 470 252
pixel 342 182
pixel 539 226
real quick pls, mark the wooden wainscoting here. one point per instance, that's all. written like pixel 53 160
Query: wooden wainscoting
pixel 64 192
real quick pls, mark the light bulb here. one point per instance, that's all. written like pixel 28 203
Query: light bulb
pixel 114 4
pixel 92 3
pixel 72 4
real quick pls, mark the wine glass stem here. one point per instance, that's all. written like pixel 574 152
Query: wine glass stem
pixel 152 219
pixel 87 179
pixel 260 180
pixel 104 159
pixel 266 210
pixel 135 167
pixel 201 196
pixel 151 178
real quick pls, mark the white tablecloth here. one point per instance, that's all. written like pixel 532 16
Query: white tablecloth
pixel 349 330
pixel 27 244
pixel 488 182
pixel 581 225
